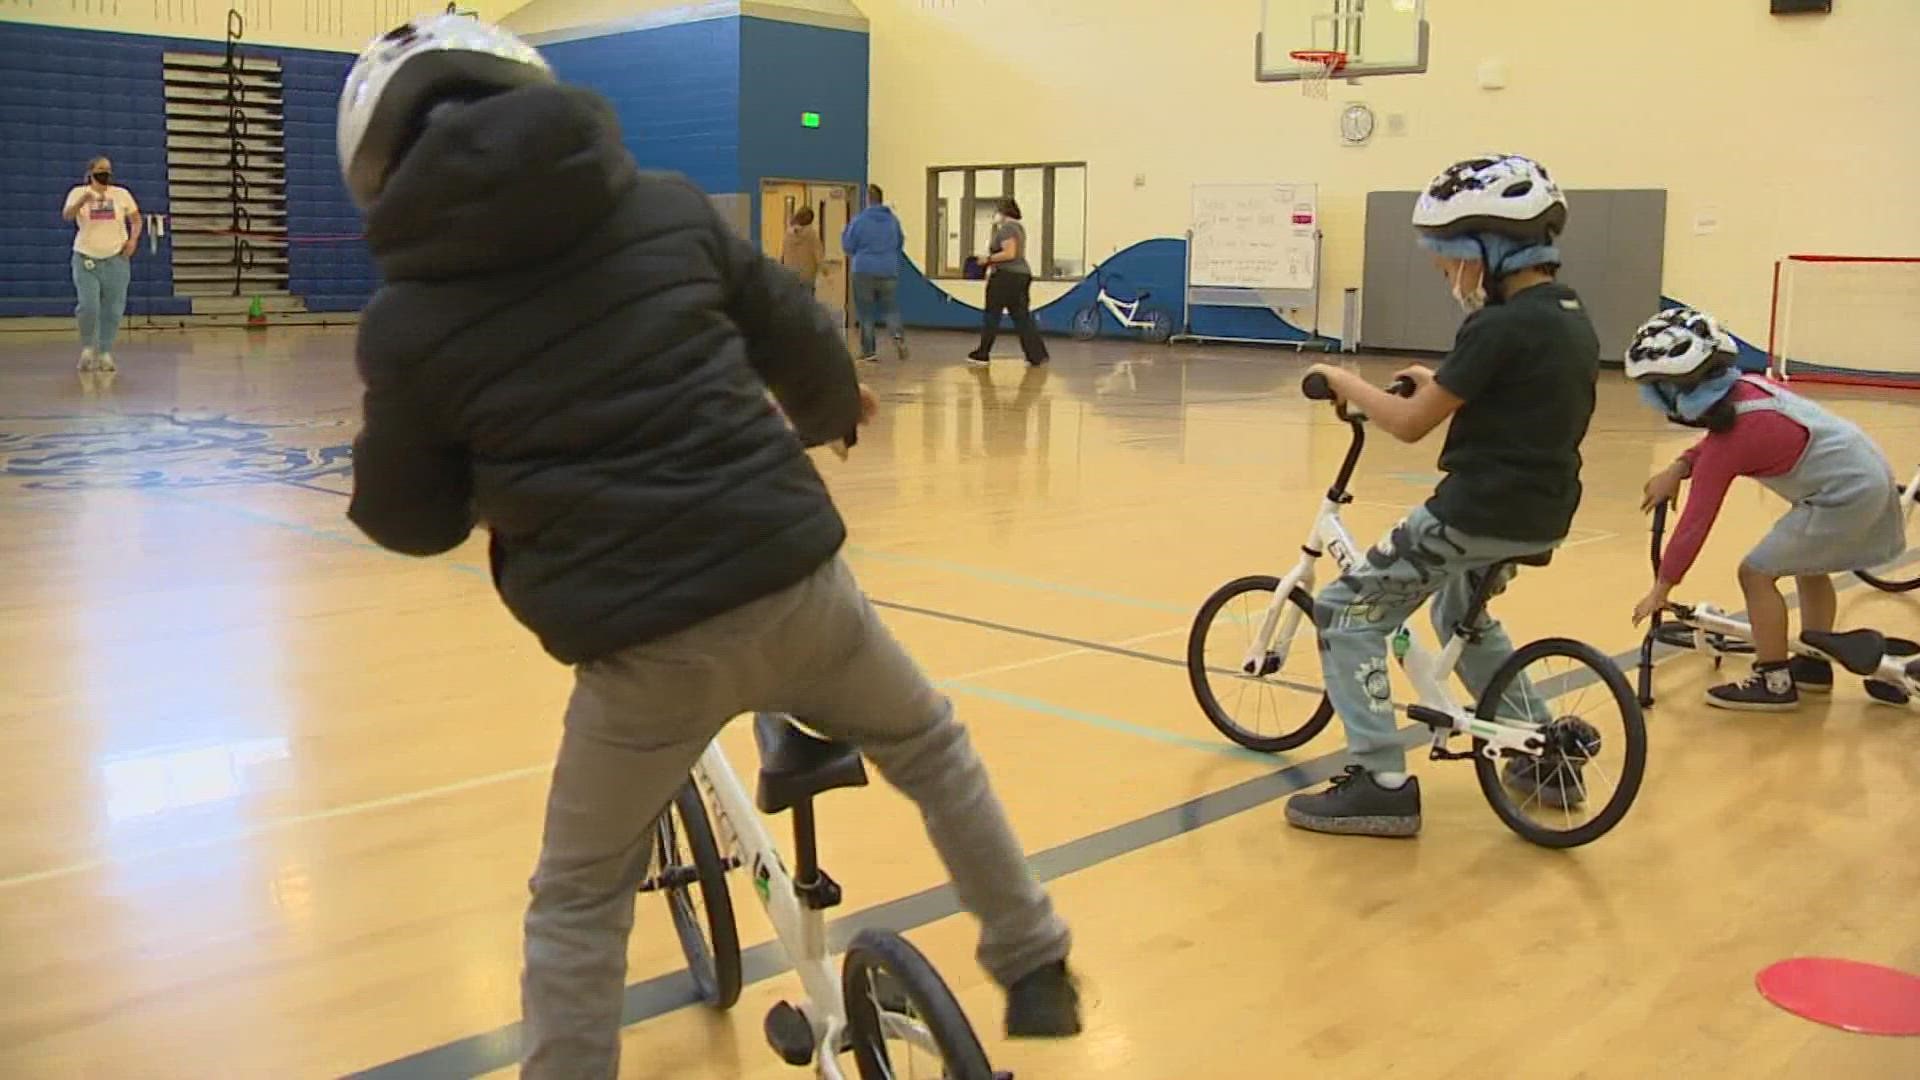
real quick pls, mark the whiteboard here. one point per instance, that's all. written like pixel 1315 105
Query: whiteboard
pixel 1254 236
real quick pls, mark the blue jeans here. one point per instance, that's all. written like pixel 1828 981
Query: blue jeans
pixel 102 286
pixel 1420 558
pixel 876 299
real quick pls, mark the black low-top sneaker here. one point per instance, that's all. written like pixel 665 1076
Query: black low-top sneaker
pixel 1768 689
pixel 1356 805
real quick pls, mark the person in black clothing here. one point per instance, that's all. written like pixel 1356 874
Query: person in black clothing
pixel 1009 288
pixel 578 355
pixel 1519 387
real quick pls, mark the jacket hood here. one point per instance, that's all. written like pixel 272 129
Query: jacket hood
pixel 495 184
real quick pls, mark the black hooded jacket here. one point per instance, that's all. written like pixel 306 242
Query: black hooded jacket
pixel 576 354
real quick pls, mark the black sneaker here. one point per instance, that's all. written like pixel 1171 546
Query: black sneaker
pixel 1768 689
pixel 1356 805
pixel 1044 1004
pixel 978 359
pixel 1810 674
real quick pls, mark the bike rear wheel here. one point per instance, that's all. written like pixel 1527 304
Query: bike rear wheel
pixel 696 890
pixel 1586 777
pixel 1223 631
pixel 1889 580
pixel 1086 323
pixel 902 1021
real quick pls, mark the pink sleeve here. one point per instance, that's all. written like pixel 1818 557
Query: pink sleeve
pixel 1713 473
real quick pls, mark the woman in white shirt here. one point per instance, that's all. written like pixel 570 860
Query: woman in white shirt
pixel 109 230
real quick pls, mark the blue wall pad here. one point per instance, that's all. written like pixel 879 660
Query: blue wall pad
pixel 787 69
pixel 67 95
pixel 1157 266
pixel 676 90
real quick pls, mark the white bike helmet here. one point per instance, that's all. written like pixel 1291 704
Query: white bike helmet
pixel 409 68
pixel 1505 194
pixel 1678 343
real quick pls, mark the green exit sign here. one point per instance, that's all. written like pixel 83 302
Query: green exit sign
pixel 809 119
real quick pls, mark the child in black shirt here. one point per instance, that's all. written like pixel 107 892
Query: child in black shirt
pixel 1519 386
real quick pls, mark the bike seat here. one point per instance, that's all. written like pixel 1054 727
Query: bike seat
pixel 1859 651
pixel 796 766
pixel 1538 558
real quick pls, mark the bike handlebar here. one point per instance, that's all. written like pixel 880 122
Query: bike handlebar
pixel 1316 387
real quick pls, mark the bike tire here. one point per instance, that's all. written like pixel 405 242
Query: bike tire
pixel 1217 715
pixel 1086 323
pixel 1892 585
pixel 1895 585
pixel 884 964
pixel 1159 328
pixel 713 957
pixel 1633 722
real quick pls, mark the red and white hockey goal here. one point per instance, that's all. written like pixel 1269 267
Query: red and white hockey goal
pixel 1846 319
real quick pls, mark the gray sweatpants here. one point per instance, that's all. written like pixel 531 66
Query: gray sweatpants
pixel 1419 558
pixel 637 722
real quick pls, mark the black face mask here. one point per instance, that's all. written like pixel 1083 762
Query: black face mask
pixel 102 177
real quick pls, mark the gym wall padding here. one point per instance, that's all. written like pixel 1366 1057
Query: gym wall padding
pixel 67 95
pixel 789 68
pixel 676 90
pixel 1612 253
pixel 1158 267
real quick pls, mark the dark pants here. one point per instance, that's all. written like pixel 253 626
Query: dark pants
pixel 1009 292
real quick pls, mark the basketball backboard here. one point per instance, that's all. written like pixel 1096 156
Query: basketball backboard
pixel 1380 37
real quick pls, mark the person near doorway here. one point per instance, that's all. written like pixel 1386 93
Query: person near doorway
pixel 802 251
pixel 1009 288
pixel 874 240
pixel 108 222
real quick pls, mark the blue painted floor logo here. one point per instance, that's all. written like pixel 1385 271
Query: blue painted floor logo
pixel 139 450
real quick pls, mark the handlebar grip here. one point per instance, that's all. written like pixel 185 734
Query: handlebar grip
pixel 1659 531
pixel 1316 387
pixel 1402 387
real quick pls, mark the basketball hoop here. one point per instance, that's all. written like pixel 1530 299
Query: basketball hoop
pixel 1317 69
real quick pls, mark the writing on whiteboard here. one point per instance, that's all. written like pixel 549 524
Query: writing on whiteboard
pixel 1254 236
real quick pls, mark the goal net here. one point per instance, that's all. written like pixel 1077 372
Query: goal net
pixel 1846 319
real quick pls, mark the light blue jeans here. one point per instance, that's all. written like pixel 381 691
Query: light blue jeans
pixel 102 285
pixel 1420 558
pixel 876 299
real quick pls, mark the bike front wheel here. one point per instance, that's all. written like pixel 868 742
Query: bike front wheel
pixel 1159 328
pixel 902 1021
pixel 1262 708
pixel 1585 777
pixel 687 867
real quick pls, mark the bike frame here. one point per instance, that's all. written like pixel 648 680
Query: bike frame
pixel 1122 313
pixel 801 930
pixel 1427 670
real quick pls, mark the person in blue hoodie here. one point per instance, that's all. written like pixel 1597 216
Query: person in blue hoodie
pixel 874 242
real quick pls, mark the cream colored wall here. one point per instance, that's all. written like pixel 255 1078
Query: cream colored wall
pixel 1793 134
pixel 338 25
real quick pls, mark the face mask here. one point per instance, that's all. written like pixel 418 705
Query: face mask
pixel 1688 406
pixel 102 177
pixel 1469 301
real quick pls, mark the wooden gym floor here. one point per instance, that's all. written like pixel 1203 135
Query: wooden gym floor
pixel 269 796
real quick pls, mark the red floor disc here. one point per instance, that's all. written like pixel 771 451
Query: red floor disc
pixel 1846 994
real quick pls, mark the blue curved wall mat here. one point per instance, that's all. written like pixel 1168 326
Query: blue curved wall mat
pixel 1752 357
pixel 1159 266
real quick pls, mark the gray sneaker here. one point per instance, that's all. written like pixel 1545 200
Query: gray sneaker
pixel 88 362
pixel 1356 805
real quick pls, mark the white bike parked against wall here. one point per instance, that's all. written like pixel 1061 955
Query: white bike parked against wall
pixel 1154 324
